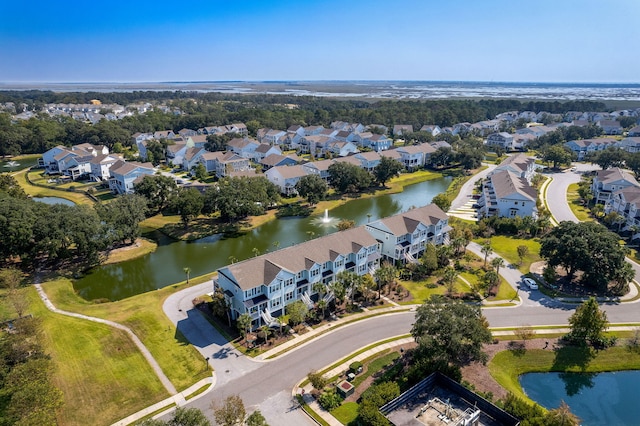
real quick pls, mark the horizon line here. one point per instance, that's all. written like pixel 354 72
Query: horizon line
pixel 314 81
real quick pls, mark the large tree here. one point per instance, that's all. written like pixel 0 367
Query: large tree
pixel 611 157
pixel 231 412
pixel 557 154
pixel 588 247
pixel 450 332
pixel 386 169
pixel 312 187
pixel 346 177
pixel 158 190
pixel 122 217
pixel 588 323
pixel 188 204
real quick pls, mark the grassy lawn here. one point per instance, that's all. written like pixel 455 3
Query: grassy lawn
pixel 346 413
pixel 100 371
pixel 140 248
pixel 506 366
pixel 182 364
pixel 36 191
pixel 573 199
pixel 507 247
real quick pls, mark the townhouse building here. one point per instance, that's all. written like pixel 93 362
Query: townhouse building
pixel 607 182
pixel 264 285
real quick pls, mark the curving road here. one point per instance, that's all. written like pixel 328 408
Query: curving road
pixel 267 385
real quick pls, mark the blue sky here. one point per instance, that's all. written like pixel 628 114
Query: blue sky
pixel 473 40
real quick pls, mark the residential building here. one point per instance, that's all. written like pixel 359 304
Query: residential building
pixel 376 142
pixel 415 156
pixel 368 160
pixel 286 177
pixel 263 286
pixel 626 202
pixel 124 175
pixel 634 132
pixel 585 146
pixel 520 164
pixel 432 129
pixel 403 237
pixel 630 144
pixel 339 148
pixel 506 194
pixel 244 147
pixel 610 127
pixel 191 158
pixel 320 168
pixel 606 182
pixel 274 160
pixel 101 164
pixel 264 150
pixel 402 129
pixel 503 140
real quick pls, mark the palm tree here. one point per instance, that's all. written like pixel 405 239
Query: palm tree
pixel 187 271
pixel 244 324
pixel 385 276
pixel 319 288
pixel 322 305
pixel 486 250
pixel 338 289
pixel 497 262
pixel 265 332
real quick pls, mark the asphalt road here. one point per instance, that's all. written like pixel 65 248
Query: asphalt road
pixel 267 385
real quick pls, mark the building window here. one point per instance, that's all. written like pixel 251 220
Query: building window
pixel 288 296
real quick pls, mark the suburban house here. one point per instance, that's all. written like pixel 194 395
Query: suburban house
pixel 368 160
pixel 101 164
pixel 73 162
pixel 610 127
pixel 403 237
pixel 630 144
pixel 273 137
pixel 402 129
pixel 286 177
pixel 123 175
pixel 415 156
pixel 231 164
pixel 264 150
pixel 187 132
pixel 432 129
pixel 626 202
pixel 191 158
pixel 506 194
pixel 376 142
pixel 320 168
pixel 244 147
pixel 634 132
pixel 503 140
pixel 341 149
pixel 606 182
pixel 164 134
pixel 175 153
pixel 584 146
pixel 263 286
pixel 520 164
pixel 274 160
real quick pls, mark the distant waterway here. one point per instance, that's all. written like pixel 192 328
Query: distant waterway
pixel 597 399
pixel 166 265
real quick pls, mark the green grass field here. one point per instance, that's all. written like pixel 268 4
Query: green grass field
pixel 507 247
pixel 100 371
pixel 182 364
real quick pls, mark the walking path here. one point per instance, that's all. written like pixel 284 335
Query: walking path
pixel 143 349
pixel 462 205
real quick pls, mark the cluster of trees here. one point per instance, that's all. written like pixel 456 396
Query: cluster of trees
pixel 56 233
pixel 232 198
pixel 27 391
pixel 616 157
pixel 591 249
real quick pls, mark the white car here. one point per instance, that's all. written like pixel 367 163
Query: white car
pixel 530 283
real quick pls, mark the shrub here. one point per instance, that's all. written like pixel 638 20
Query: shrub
pixel 317 380
pixel 355 366
pixel 330 400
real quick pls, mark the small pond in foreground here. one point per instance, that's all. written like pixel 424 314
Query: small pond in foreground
pixel 596 398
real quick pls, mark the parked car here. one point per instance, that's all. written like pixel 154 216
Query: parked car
pixel 530 283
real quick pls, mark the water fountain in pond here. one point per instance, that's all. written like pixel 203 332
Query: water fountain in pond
pixel 12 164
pixel 326 220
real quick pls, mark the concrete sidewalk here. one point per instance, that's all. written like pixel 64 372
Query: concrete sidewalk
pixel 312 333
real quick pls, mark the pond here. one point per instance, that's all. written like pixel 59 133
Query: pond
pixel 166 265
pixel 596 398
pixel 13 165
pixel 53 200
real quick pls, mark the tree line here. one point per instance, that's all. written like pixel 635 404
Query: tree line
pixel 198 110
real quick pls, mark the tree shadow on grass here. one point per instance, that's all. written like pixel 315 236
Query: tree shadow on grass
pixel 569 357
pixel 517 348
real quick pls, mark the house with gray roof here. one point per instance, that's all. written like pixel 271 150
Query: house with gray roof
pixel 502 140
pixel 626 202
pixel 123 175
pixel 286 177
pixel 520 164
pixel 607 182
pixel 583 147
pixel 506 194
